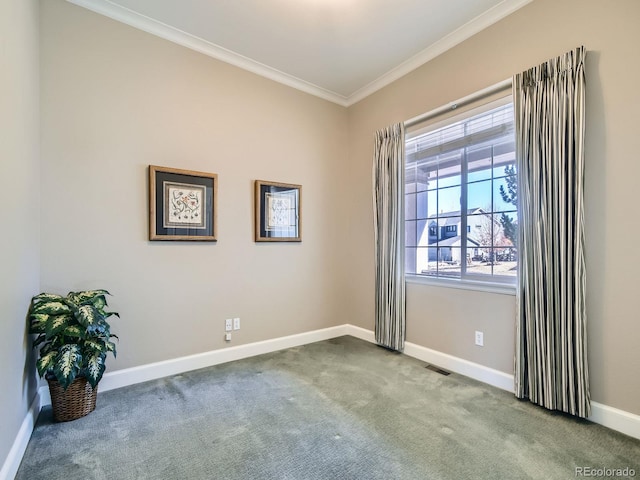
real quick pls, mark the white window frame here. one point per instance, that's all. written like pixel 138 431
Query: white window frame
pixel 500 284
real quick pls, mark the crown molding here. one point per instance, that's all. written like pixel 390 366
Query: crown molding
pixel 479 23
pixel 167 32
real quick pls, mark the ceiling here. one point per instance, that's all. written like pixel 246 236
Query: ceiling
pixel 339 50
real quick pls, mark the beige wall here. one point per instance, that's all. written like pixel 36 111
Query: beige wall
pixel 114 100
pixel 19 197
pixel 445 319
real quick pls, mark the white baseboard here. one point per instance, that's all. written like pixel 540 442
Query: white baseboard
pixel 616 419
pixel 153 371
pixel 361 333
pixel 613 418
pixel 12 462
pixel 448 362
pixel 610 417
pixel 473 370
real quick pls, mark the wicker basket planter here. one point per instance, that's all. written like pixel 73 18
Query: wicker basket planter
pixel 75 402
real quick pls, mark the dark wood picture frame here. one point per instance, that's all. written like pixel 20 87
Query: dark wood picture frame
pixel 278 212
pixel 182 205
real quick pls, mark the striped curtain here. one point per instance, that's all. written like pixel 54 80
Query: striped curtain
pixel 551 349
pixel 388 208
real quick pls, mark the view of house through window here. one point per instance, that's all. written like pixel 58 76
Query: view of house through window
pixel 461 197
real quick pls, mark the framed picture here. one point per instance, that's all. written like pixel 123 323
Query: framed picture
pixel 182 204
pixel 277 212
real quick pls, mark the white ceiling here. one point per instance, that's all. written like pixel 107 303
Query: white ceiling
pixel 340 50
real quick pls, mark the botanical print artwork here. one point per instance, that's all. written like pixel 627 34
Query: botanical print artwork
pixel 183 205
pixel 278 211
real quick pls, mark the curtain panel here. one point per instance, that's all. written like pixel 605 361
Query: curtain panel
pixel 551 345
pixel 388 208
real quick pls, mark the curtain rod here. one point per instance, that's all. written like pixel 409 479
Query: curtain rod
pixel 485 92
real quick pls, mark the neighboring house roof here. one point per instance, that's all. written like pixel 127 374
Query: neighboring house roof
pixel 450 242
pixel 453 218
pixel 447 221
pixel 456 213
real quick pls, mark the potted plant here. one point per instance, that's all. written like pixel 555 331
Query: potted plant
pixel 74 338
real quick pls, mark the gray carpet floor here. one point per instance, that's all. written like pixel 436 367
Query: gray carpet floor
pixel 338 409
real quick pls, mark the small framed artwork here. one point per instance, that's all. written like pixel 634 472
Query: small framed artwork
pixel 182 204
pixel 278 215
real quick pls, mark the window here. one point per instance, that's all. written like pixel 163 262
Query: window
pixel 461 197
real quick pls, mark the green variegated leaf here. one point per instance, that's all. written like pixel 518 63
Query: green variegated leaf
pixel 38 322
pixel 95 368
pixel 98 330
pixel 46 362
pixel 99 302
pixel 87 315
pixel 57 323
pixel 72 297
pixel 47 297
pixel 95 345
pixel 51 308
pixel 56 343
pixel 74 331
pixel 67 364
pixel 81 297
pixel 111 347
pixel 46 348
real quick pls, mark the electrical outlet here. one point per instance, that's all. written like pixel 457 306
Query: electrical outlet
pixel 479 339
pixel 227 337
pixel 236 324
pixel 228 325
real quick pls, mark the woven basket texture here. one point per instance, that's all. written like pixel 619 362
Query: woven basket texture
pixel 77 401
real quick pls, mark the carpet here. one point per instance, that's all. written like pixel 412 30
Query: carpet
pixel 337 409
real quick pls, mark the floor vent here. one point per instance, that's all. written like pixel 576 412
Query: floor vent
pixel 437 370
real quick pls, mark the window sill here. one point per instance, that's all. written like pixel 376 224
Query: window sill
pixel 489 287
